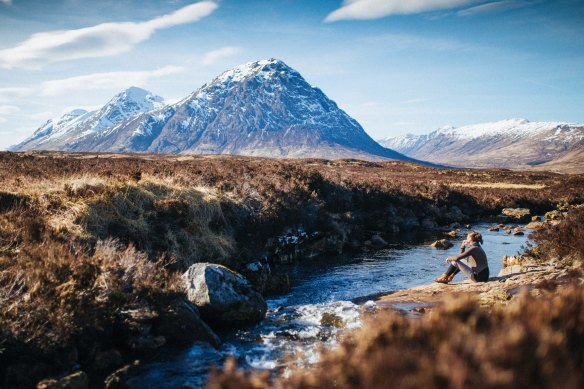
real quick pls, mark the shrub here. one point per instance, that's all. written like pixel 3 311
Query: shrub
pixel 535 343
pixel 564 241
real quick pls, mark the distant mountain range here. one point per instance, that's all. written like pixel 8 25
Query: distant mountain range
pixel 71 128
pixel 514 144
pixel 263 108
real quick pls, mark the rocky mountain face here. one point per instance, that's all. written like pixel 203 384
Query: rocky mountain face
pixel 67 131
pixel 514 144
pixel 263 108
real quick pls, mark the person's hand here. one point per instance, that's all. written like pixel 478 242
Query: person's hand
pixel 450 259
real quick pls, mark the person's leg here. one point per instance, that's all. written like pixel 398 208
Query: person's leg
pixel 483 275
pixel 465 268
pixel 448 275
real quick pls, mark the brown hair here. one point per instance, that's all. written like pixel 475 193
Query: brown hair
pixel 475 236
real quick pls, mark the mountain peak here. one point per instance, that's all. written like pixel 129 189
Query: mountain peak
pixel 140 96
pixel 266 68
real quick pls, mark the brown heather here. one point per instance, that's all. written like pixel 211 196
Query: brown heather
pixel 84 237
pixel 532 343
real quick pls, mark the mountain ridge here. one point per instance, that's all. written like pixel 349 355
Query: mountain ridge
pixel 511 143
pixel 55 134
pixel 262 108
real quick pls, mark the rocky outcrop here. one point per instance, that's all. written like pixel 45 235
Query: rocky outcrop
pixel 442 244
pixel 518 215
pixel 553 215
pixel 518 273
pixel 222 295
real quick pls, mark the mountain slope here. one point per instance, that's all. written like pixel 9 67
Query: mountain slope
pixel 263 108
pixel 514 143
pixel 59 134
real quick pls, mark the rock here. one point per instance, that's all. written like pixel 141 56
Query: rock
pixel 181 324
pixel 117 380
pixel 106 360
pixel 278 283
pixel 222 295
pixel 452 234
pixel 135 325
pixel 553 215
pixel 508 230
pixel 378 242
pixel 257 273
pixel 512 269
pixel 518 231
pixel 535 218
pixel 332 320
pixel 442 244
pixel 534 225
pixel 501 226
pixel 77 380
pixel 517 214
pixel 493 229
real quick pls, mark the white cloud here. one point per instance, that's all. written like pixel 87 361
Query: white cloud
pixel 6 2
pixel 8 95
pixel 110 80
pixel 375 9
pixel 214 56
pixel 495 6
pixel 8 109
pixel 101 40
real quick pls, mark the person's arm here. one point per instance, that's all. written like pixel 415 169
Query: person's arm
pixel 465 254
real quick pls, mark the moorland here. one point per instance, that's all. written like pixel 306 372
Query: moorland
pixel 87 241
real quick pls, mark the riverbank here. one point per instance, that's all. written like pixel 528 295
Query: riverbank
pixel 531 276
pixel 523 328
pixel 93 245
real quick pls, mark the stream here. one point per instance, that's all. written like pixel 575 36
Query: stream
pixel 320 306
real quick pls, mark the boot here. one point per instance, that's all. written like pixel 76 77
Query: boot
pixel 444 278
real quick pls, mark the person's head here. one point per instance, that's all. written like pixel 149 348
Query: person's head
pixel 474 237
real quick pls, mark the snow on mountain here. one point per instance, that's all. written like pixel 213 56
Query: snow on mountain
pixel 513 143
pixel 57 134
pixel 262 108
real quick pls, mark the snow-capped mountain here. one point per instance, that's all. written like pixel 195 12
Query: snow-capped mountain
pixel 514 143
pixel 61 133
pixel 263 108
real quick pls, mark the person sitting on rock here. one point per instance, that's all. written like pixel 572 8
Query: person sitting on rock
pixel 472 262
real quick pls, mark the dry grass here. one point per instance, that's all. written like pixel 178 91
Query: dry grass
pixel 59 284
pixel 499 185
pixel 532 343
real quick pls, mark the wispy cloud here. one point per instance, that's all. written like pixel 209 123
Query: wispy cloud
pixel 101 40
pixel 214 56
pixel 8 95
pixel 8 109
pixel 6 2
pixel 375 9
pixel 495 6
pixel 110 80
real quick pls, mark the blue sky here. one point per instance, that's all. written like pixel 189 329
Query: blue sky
pixel 396 66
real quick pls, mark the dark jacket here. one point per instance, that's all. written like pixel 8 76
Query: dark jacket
pixel 477 258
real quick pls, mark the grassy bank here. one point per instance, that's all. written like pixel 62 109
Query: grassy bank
pixel 91 245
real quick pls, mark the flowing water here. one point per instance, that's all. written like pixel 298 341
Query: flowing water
pixel 320 306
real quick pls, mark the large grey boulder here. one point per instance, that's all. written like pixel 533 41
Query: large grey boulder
pixel 222 295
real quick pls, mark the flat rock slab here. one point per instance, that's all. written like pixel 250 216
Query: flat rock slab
pixel 425 296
